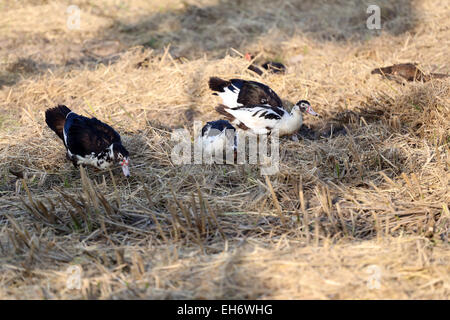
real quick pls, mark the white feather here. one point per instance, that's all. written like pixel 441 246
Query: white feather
pixel 65 137
pixel 92 159
pixel 288 123
pixel 229 97
pixel 64 131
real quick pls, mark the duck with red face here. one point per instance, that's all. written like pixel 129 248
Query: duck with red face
pixel 87 140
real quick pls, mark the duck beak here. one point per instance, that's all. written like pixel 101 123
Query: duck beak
pixel 311 111
pixel 125 167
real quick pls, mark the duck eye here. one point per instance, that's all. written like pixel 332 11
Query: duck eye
pixel 263 100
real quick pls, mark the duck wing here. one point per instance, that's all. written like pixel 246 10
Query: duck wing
pixel 238 92
pixel 259 118
pixel 85 136
pixel 256 93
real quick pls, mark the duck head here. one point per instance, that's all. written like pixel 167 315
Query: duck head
pixel 305 107
pixel 121 155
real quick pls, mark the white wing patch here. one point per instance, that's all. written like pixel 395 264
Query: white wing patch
pixel 230 97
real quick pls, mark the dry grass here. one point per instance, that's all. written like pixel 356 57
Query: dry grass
pixel 369 186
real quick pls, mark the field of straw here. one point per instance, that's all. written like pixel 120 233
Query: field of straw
pixel 358 210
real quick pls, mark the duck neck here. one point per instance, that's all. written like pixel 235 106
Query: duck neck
pixel 291 123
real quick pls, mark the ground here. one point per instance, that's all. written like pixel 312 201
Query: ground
pixel 358 210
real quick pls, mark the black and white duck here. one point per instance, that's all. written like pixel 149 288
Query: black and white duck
pixel 87 140
pixel 217 136
pixel 255 106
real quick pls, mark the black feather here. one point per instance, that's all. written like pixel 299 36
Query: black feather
pixel 250 92
pixel 222 110
pixel 276 113
pixel 255 69
pixel 272 116
pixel 85 135
pixel 217 84
pixel 218 125
pixel 55 119
pixel 253 93
pixel 274 67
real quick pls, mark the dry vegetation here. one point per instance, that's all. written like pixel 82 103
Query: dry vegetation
pixel 374 192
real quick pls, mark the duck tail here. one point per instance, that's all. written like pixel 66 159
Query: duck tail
pixel 55 119
pixel 217 84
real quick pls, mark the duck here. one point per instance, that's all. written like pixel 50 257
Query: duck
pixel 216 136
pixel 408 71
pixel 251 105
pixel 88 141
pixel 275 67
pixel 270 66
